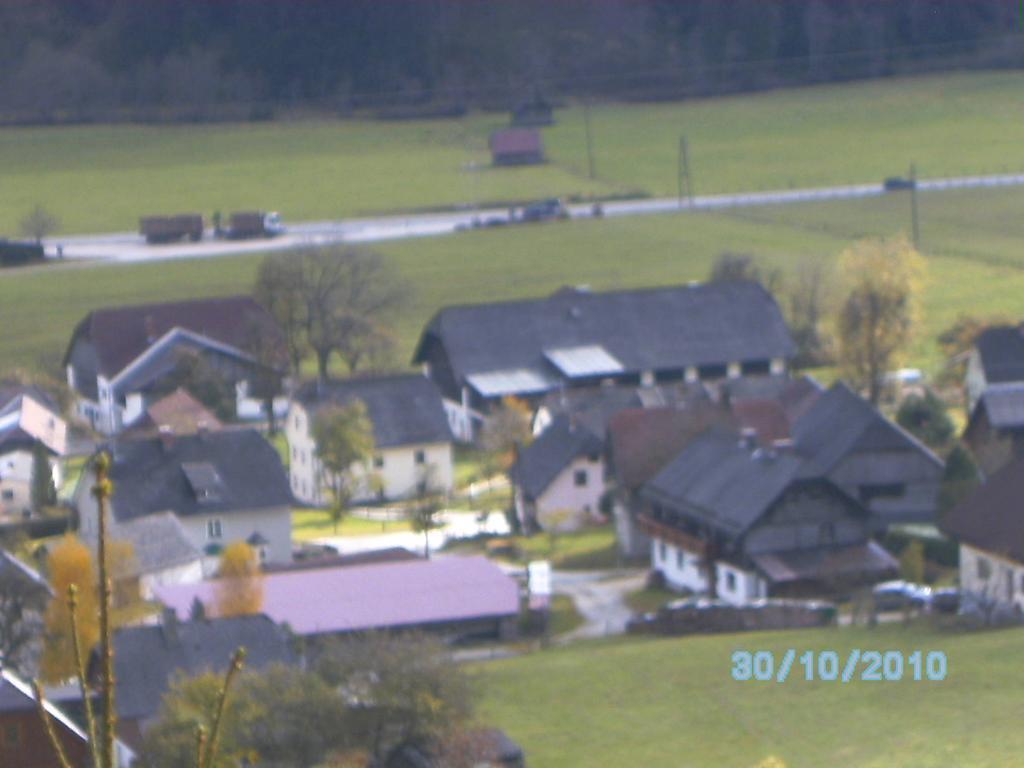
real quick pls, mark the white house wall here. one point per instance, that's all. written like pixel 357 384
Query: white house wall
pixel 682 569
pixel 187 573
pixel 275 525
pixel 1005 580
pixel 16 481
pixel 563 495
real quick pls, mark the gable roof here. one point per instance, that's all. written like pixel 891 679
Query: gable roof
pixel 149 477
pixel 839 423
pixel 181 412
pixel 1004 404
pixel 25 420
pixel 405 409
pixel 120 334
pixel 642 330
pixel 539 463
pixel 147 658
pixel 12 389
pixel 379 596
pixel 1001 351
pixel 9 564
pixel 642 441
pixel 766 417
pixel 516 141
pixel 989 517
pixel 724 482
pixel 159 542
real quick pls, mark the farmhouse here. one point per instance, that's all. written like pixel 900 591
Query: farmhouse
pixel 996 358
pixel 995 431
pixel 456 597
pixel 147 659
pixel 743 522
pixel 478 354
pixel 221 487
pixel 26 420
pixel 412 439
pixel 517 146
pixel 990 530
pixel 122 359
pixel 180 412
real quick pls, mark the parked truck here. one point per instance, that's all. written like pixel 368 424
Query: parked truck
pixel 166 229
pixel 249 224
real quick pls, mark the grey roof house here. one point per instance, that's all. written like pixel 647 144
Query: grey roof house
pixel 148 658
pixel 478 354
pixel 742 521
pixel 412 438
pixel 995 430
pixel 220 487
pixel 119 357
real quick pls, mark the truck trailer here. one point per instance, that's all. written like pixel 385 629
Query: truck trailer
pixel 167 229
pixel 243 225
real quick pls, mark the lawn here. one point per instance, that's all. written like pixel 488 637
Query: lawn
pixel 591 548
pixel 673 703
pixel 310 524
pixel 102 178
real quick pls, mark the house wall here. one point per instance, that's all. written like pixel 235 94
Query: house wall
pixel 633 542
pixel 274 524
pixel 992 448
pixel 16 481
pixel 991 577
pixel 920 476
pixel 564 495
pixel 32 748
pixel 682 569
pixel 737 586
pixel 974 379
pixel 806 518
pixel 187 573
pixel 399 474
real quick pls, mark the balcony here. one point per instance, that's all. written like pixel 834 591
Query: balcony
pixel 672 535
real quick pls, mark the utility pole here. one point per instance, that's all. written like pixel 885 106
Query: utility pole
pixel 590 141
pixel 913 207
pixel 685 182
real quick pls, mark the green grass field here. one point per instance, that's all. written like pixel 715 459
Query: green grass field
pixel 972 239
pixel 102 178
pixel 673 703
pixel 308 524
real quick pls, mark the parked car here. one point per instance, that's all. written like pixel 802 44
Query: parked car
pixel 895 595
pixel 946 600
pixel 545 210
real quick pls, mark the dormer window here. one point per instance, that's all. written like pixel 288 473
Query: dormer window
pixel 205 483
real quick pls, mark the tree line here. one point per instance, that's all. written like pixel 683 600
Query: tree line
pixel 150 59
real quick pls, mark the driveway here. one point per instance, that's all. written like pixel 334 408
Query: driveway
pixel 600 599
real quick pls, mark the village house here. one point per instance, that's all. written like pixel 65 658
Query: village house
pixel 23 739
pixel 743 522
pixel 412 439
pixel 220 487
pixel 180 412
pixel 997 357
pixel 147 659
pixel 990 531
pixel 458 598
pixel 995 430
pixel 120 359
pixel 27 419
pixel 517 146
pixel 479 354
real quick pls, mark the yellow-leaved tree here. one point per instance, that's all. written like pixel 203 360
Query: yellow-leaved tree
pixel 239 587
pixel 879 312
pixel 69 562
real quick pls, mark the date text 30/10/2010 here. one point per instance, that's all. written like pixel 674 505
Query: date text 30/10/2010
pixel 865 666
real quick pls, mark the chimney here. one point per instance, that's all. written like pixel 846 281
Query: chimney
pixel 783 445
pixel 166 438
pixel 748 438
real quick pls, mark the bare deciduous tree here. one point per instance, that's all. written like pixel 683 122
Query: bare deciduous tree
pixel 39 223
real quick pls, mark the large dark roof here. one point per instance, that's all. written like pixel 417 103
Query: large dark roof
pixel 148 658
pixel 1002 353
pixel 723 482
pixel 150 478
pixel 121 334
pixel 540 462
pixel 642 441
pixel 989 518
pixel 404 409
pixel 840 423
pixel 637 330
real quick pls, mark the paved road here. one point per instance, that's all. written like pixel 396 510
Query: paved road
pixel 130 247
pixel 455 525
pixel 599 597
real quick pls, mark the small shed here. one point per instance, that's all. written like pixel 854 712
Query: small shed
pixel 517 146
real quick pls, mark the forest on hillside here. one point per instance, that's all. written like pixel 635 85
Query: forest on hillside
pixel 87 60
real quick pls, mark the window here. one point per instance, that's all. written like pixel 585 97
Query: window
pixel 730 581
pixel 213 528
pixel 984 568
pixel 680 559
pixel 662 551
pixel 295 453
pixel 378 462
pixel 7 494
pixel 421 457
pixel 579 477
